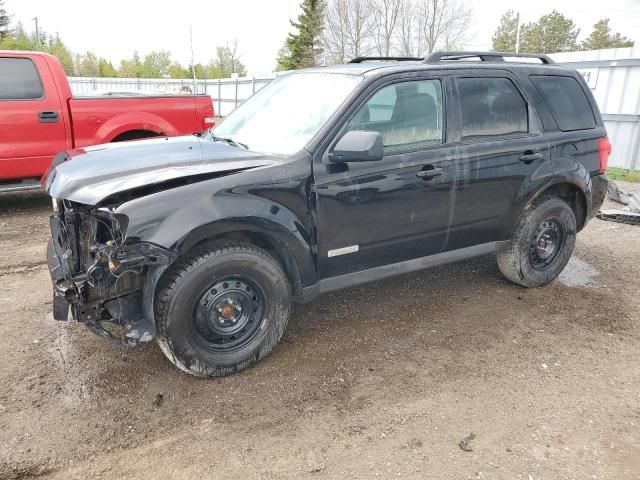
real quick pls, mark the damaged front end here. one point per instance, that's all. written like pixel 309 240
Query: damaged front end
pixel 100 275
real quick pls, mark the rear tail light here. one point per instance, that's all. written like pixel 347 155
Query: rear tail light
pixel 604 150
pixel 208 119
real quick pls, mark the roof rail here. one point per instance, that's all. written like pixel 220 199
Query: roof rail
pixel 441 56
pixel 378 59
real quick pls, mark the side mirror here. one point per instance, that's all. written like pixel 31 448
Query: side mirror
pixel 358 146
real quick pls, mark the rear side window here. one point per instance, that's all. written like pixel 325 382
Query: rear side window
pixel 490 107
pixel 19 80
pixel 567 101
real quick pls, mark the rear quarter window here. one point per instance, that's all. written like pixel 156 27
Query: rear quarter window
pixel 567 101
pixel 19 80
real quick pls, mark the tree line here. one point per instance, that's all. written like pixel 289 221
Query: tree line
pixel 552 33
pixel 156 64
pixel 335 31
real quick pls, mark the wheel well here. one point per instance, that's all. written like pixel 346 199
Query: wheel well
pixel 573 196
pixel 136 135
pixel 274 247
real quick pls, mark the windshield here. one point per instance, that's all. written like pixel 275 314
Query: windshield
pixel 283 116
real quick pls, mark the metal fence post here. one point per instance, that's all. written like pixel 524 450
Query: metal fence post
pixel 253 85
pixel 219 98
pixel 236 85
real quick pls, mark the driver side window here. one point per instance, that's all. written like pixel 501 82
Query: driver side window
pixel 407 114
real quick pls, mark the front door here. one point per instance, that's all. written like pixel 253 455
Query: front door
pixel 32 128
pixel 371 214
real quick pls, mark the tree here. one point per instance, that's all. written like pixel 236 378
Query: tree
pixel 58 49
pixel 350 26
pixel 87 65
pixel 406 29
pixel 601 37
pixel 387 13
pixel 227 62
pixel 552 33
pixel 131 68
pixel 156 64
pixel 5 20
pixel 178 71
pixel 282 60
pixel 304 48
pixel 106 69
pixel 505 37
pixel 441 22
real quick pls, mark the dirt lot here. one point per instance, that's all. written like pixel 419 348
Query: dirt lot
pixel 379 381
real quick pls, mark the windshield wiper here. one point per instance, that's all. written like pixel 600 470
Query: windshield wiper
pixel 230 141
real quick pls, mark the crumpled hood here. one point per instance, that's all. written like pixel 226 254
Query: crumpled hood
pixel 91 174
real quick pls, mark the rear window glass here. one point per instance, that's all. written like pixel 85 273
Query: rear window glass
pixel 490 107
pixel 19 80
pixel 567 101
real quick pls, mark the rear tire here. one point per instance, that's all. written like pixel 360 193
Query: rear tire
pixel 221 308
pixel 541 245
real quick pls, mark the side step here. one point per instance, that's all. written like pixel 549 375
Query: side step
pixel 20 186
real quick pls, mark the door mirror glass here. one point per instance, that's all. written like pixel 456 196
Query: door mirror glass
pixel 358 146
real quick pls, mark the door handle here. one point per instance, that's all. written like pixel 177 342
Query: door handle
pixel 428 173
pixel 529 156
pixel 48 117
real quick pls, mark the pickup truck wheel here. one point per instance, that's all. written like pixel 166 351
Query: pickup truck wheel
pixel 221 308
pixel 542 244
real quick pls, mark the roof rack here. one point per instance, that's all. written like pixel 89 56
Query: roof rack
pixel 444 56
pixel 382 59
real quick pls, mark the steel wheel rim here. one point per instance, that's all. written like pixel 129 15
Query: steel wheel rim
pixel 546 243
pixel 228 314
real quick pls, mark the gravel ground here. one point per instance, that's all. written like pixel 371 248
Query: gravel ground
pixel 380 381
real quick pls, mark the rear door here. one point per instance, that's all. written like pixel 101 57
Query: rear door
pixel 32 129
pixel 371 214
pixel 502 156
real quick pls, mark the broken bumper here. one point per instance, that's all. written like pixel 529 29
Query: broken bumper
pixel 103 285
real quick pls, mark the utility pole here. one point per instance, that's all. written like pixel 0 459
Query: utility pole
pixel 518 34
pixel 35 19
pixel 193 67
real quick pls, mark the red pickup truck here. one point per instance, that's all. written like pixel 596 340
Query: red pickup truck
pixel 39 117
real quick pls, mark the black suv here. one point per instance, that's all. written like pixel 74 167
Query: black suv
pixel 324 179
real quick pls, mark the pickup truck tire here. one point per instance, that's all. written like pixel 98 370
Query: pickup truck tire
pixel 541 245
pixel 221 308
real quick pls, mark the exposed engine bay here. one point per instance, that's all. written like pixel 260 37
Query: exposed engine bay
pixel 99 274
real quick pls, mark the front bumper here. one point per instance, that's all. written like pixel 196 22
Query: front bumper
pixel 102 284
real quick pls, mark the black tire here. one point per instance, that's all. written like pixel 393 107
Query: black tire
pixel 221 308
pixel 541 245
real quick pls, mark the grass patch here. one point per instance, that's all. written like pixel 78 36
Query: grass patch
pixel 624 175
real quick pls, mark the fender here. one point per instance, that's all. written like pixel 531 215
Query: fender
pixel 128 121
pixel 181 217
pixel 564 170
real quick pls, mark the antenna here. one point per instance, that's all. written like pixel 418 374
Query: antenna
pixel 193 67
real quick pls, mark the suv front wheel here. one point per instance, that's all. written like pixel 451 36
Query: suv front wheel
pixel 221 308
pixel 541 245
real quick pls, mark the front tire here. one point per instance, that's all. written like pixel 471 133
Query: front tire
pixel 221 308
pixel 541 245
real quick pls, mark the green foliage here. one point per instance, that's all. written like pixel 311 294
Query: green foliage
pixel 505 36
pixel 106 69
pixel 5 20
pixel 622 174
pixel 304 48
pixel 59 50
pixel 156 64
pixel 601 37
pixel 87 65
pixel 552 33
pixel 226 64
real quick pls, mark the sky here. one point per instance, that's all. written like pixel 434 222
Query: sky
pixel 113 29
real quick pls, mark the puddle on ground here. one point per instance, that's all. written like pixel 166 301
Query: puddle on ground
pixel 578 273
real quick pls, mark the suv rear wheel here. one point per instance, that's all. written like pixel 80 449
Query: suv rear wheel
pixel 221 308
pixel 542 244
